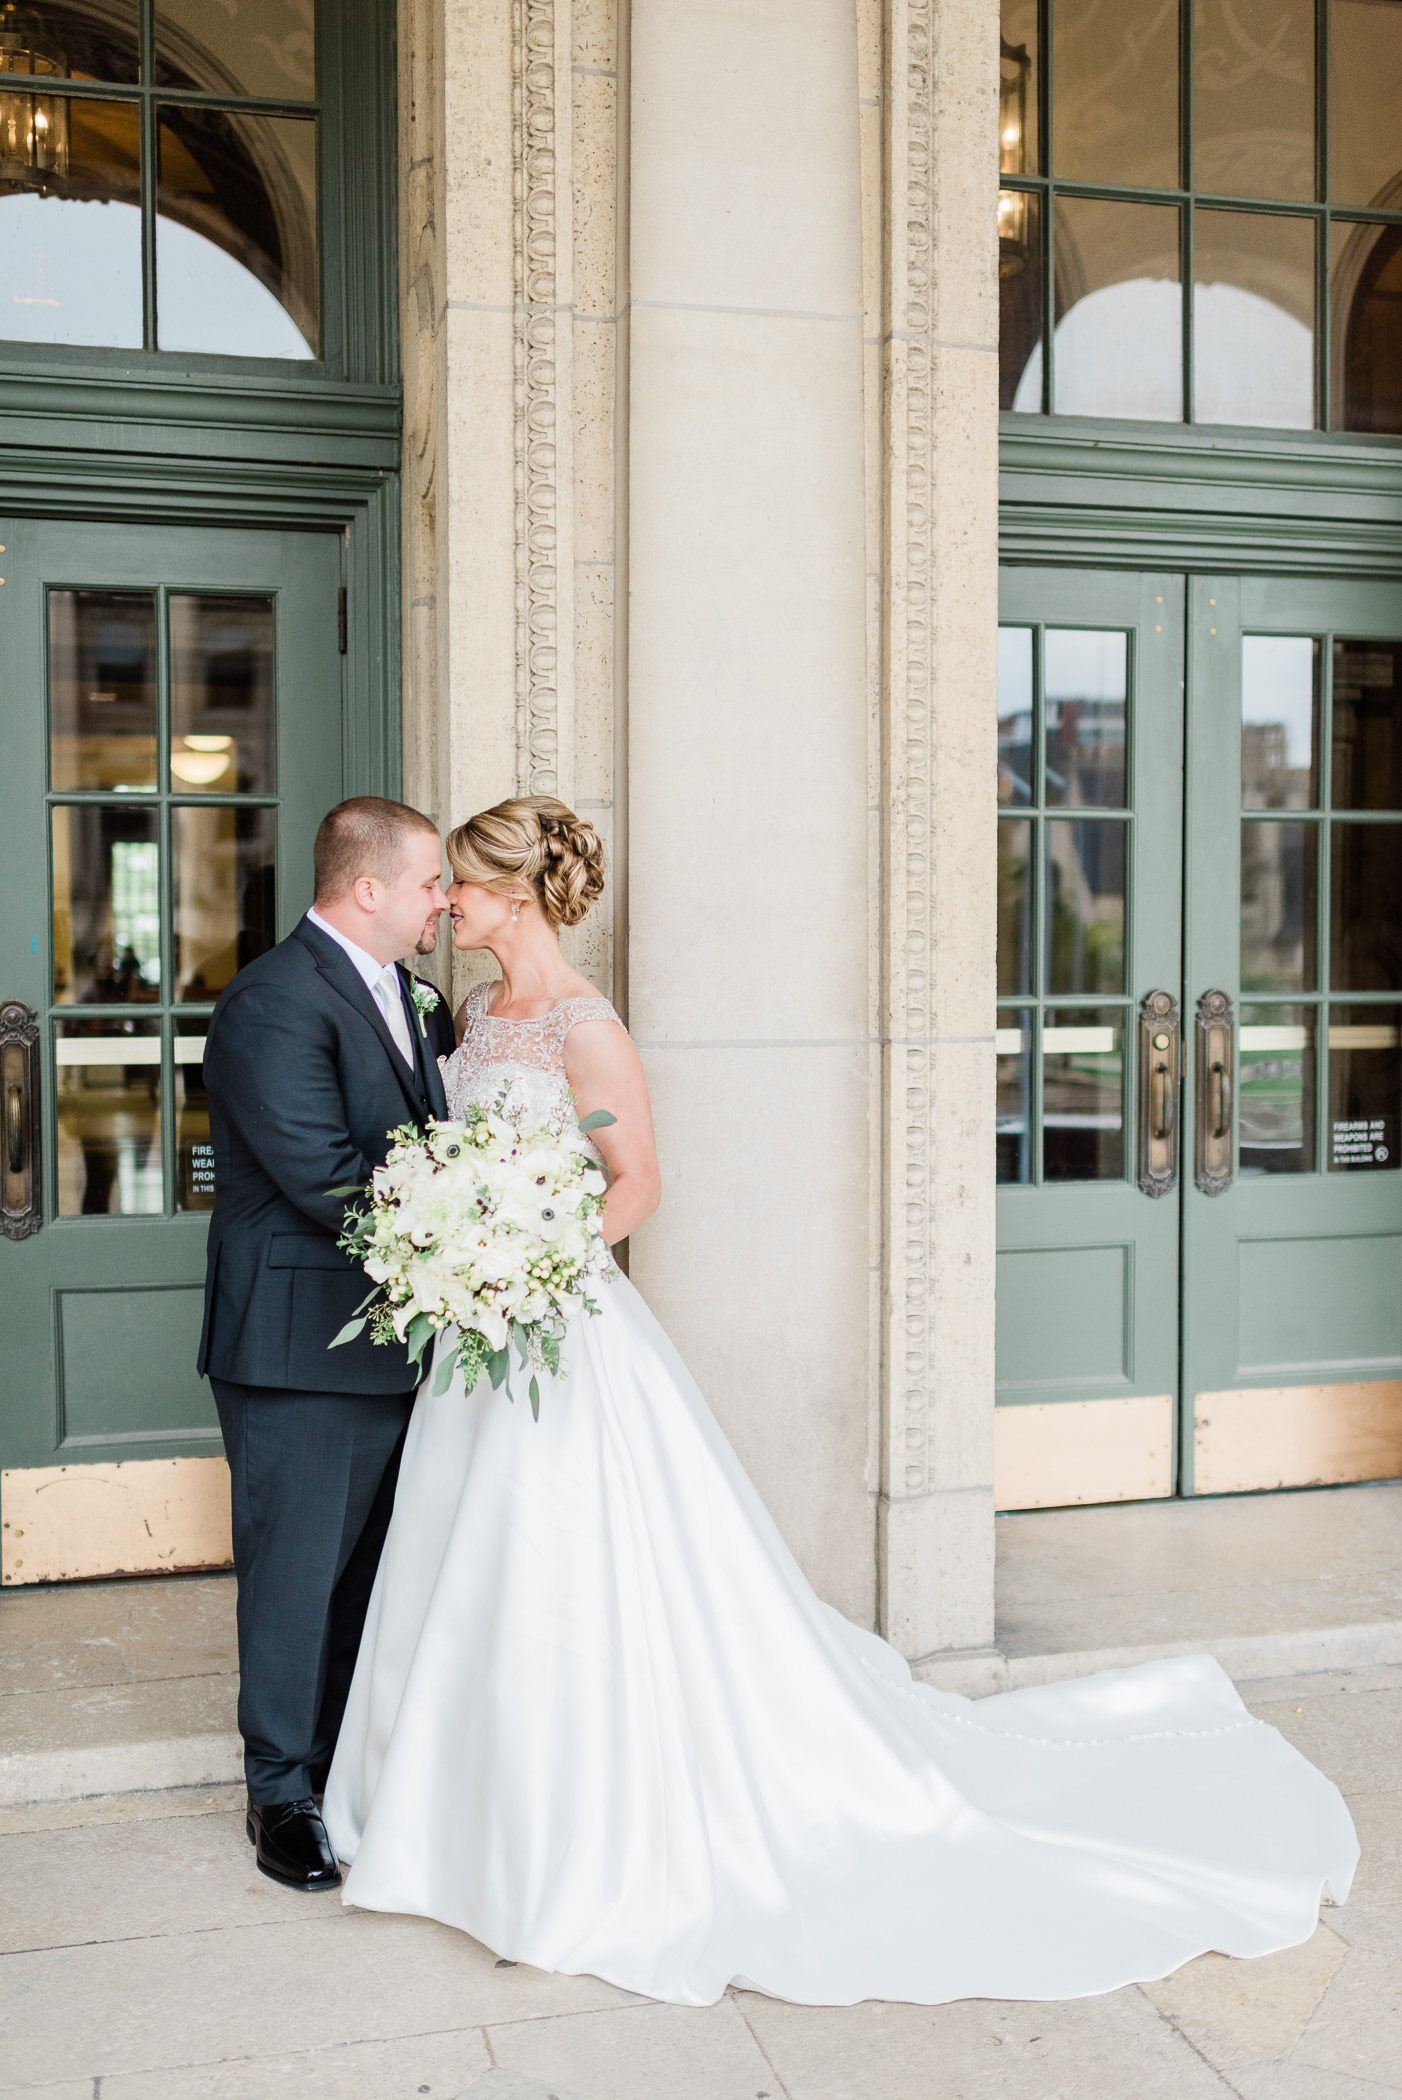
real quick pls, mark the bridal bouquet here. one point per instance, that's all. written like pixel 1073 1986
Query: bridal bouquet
pixel 491 1225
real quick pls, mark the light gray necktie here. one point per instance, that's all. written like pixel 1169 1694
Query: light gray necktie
pixel 391 1004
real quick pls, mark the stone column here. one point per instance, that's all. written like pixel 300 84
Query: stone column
pixel 941 618
pixel 749 973
pixel 508 175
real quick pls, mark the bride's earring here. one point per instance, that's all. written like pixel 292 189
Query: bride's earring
pixel 515 909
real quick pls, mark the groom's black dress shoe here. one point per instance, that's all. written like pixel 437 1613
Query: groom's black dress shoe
pixel 290 1840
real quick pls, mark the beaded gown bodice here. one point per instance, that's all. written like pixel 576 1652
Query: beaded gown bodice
pixel 524 1060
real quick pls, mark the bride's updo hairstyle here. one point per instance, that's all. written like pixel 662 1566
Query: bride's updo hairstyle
pixel 532 842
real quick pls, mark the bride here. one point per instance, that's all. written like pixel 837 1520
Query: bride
pixel 601 1722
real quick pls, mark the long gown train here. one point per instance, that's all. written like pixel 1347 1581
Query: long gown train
pixel 601 1722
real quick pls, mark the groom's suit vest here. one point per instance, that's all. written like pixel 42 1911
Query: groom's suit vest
pixel 305 1082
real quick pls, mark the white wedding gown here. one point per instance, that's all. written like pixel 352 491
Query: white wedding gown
pixel 601 1722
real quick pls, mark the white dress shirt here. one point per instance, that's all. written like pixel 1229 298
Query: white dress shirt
pixel 381 980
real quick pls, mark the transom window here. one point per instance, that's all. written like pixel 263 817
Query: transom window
pixel 1202 211
pixel 158 176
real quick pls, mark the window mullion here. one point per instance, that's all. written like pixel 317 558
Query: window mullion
pixel 148 174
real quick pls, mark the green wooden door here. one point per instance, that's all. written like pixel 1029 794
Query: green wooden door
pixel 1090 788
pixel 173 735
pixel 1292 1306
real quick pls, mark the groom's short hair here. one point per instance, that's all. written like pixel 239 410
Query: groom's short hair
pixel 367 835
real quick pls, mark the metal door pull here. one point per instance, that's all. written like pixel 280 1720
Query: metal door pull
pixel 21 1207
pixel 1216 1051
pixel 1159 1065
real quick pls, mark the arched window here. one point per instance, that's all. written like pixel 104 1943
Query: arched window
pixel 1201 211
pixel 159 177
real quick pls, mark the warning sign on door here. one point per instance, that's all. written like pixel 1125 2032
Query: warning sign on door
pixel 1362 1143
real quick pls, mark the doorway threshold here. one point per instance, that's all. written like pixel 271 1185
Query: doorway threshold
pixel 1272 1585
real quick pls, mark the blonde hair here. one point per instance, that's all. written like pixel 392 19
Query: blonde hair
pixel 532 842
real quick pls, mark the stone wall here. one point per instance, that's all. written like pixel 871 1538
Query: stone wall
pixel 699 341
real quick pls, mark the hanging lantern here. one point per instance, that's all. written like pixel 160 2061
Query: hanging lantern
pixel 1014 79
pixel 33 125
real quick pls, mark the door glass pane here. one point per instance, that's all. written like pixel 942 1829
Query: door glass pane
pixel 1119 327
pixel 221 695
pixel 1253 97
pixel 1019 149
pixel 107 1075
pixel 1365 327
pixel 194 1154
pixel 1365 908
pixel 1365 95
pixel 1083 1094
pixel 265 48
pixel 70 221
pixel 1014 715
pixel 1365 1088
pixel 236 257
pixel 1014 1108
pixel 1020 301
pixel 1253 320
pixel 1275 1116
pixel 1278 911
pixel 107 906
pixel 1367 725
pixel 1279 721
pixel 1014 905
pixel 223 876
pixel 102 689
pixel 1085 696
pixel 1086 906
pixel 1116 71
pixel 75 42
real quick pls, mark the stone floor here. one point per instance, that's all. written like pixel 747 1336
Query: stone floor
pixel 106 1687
pixel 142 1958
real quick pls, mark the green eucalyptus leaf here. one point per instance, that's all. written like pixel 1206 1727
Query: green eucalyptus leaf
pixel 347 1334
pixel 445 1371
pixel 418 1335
pixel 498 1364
pixel 535 1400
pixel 598 1120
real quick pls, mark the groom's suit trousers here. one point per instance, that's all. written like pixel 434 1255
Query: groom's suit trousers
pixel 313 1478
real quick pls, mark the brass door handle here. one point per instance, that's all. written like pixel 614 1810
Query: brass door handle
pixel 1164 1103
pixel 21 1207
pixel 14 1128
pixel 1159 1065
pixel 1216 1055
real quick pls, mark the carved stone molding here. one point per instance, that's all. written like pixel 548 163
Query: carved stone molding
pixel 909 555
pixel 544 637
pixel 940 618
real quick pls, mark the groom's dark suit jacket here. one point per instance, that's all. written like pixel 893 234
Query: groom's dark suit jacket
pixel 305 1082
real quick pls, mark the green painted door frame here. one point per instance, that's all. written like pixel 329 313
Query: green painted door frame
pixel 1088 1267
pixel 1292 1280
pixel 101 1313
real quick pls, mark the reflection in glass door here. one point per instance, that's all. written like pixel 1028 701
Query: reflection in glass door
pixel 1293 1267
pixel 1089 710
pixel 178 741
pixel 164 874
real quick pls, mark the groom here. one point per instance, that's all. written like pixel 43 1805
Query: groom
pixel 316 1051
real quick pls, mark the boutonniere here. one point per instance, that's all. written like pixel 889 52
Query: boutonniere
pixel 425 999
